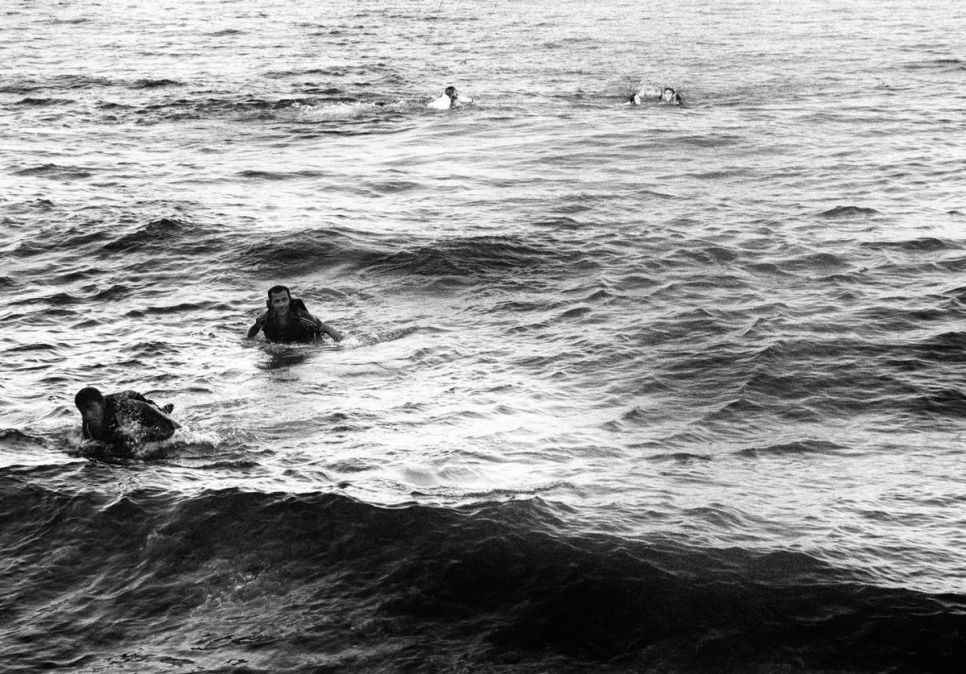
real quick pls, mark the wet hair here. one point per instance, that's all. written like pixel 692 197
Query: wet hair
pixel 274 290
pixel 450 91
pixel 86 396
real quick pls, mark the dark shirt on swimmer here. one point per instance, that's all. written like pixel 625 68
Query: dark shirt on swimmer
pixel 301 326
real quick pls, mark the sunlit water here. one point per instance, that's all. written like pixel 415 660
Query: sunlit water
pixel 631 387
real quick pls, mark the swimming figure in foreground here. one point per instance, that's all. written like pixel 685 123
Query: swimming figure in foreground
pixel 450 99
pixel 123 418
pixel 288 320
pixel 668 96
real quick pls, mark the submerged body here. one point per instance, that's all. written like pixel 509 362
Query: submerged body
pixel 123 418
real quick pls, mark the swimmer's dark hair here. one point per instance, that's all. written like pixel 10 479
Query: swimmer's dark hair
pixel 450 91
pixel 274 290
pixel 86 396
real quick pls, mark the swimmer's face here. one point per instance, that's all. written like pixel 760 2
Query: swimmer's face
pixel 280 302
pixel 93 411
pixel 668 95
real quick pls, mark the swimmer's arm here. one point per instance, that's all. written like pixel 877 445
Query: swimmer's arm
pixel 309 321
pixel 313 323
pixel 320 328
pixel 259 324
pixel 327 329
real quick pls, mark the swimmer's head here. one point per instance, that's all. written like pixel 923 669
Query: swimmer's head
pixel 274 290
pixel 451 92
pixel 87 398
pixel 669 95
pixel 279 297
pixel 635 99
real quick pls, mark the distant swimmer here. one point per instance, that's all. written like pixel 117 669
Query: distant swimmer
pixel 670 96
pixel 288 320
pixel 123 418
pixel 667 95
pixel 451 98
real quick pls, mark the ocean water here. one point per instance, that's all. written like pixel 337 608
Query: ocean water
pixel 625 388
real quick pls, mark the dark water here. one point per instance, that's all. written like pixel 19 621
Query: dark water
pixel 625 389
pixel 150 580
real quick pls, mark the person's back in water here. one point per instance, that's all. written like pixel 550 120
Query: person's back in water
pixel 123 418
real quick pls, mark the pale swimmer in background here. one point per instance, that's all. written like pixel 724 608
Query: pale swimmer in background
pixel 123 418
pixel 670 96
pixel 451 98
pixel 667 96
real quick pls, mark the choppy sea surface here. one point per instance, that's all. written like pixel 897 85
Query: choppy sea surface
pixel 625 388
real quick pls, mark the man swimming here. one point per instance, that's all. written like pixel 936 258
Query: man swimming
pixel 666 95
pixel 123 418
pixel 670 96
pixel 288 320
pixel 450 99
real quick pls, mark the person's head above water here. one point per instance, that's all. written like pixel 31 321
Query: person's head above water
pixel 451 92
pixel 92 405
pixel 86 398
pixel 279 298
pixel 635 99
pixel 669 95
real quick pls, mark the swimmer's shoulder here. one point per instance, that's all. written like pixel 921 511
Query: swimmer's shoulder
pixel 124 396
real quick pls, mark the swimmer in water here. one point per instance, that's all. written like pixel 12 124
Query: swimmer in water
pixel 450 99
pixel 123 418
pixel 670 96
pixel 667 95
pixel 288 320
